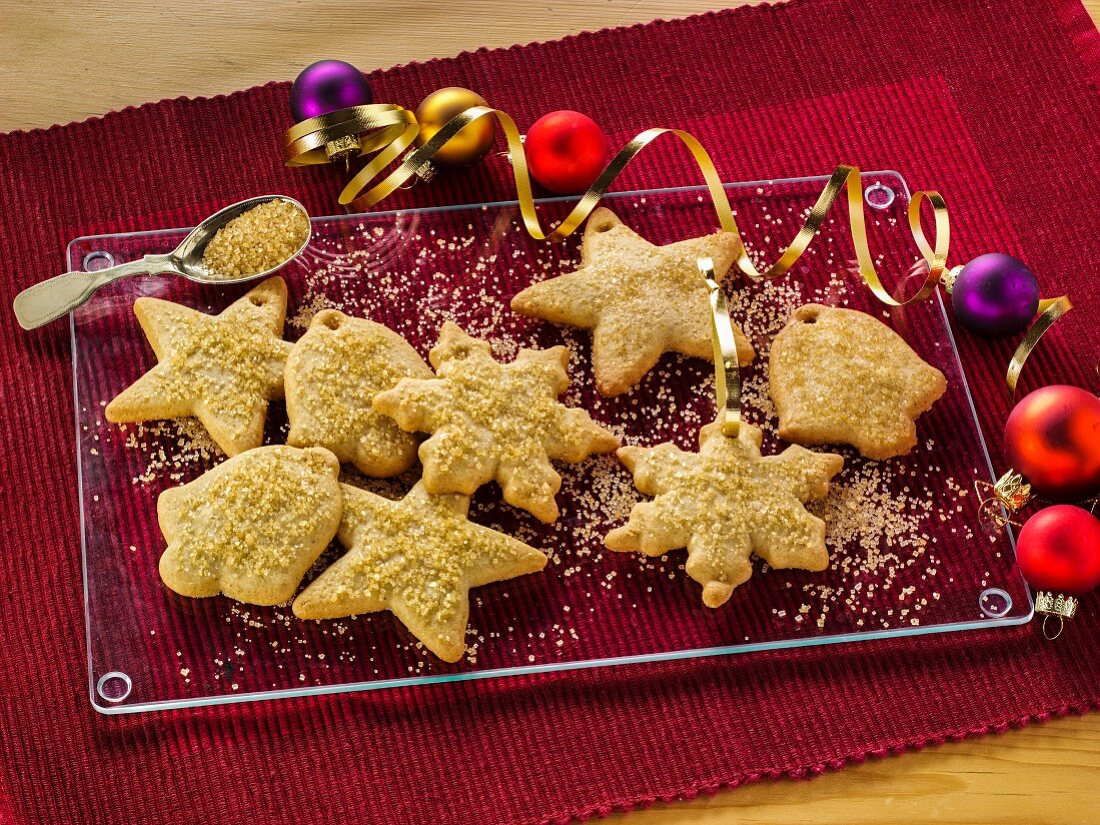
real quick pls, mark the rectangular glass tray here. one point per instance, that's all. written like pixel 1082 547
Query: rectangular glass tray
pixel 906 554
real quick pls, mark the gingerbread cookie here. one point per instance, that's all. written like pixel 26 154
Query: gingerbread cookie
pixel 725 503
pixel 222 369
pixel 640 300
pixel 418 558
pixel 495 421
pixel 842 377
pixel 333 374
pixel 251 527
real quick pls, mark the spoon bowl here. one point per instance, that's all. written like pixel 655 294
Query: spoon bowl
pixel 49 300
pixel 187 257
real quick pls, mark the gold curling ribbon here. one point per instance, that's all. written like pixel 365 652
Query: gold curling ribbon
pixel 379 127
pixel 1050 310
pixel 392 129
pixel 356 199
pixel 727 372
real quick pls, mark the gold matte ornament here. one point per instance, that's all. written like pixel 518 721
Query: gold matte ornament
pixel 471 142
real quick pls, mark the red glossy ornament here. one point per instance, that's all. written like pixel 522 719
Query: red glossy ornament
pixel 1052 437
pixel 1059 550
pixel 566 151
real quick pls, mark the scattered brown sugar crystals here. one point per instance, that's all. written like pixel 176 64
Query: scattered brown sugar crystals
pixel 878 578
pixel 258 240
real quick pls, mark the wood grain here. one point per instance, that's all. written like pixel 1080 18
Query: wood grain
pixel 66 61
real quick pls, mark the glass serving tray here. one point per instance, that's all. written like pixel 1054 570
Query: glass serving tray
pixel 907 556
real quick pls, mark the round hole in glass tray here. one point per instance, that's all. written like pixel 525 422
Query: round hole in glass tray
pixel 114 687
pixel 907 556
pixel 96 260
pixel 879 196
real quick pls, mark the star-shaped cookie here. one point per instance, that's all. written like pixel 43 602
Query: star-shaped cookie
pixel 333 374
pixel 222 369
pixel 252 526
pixel 725 503
pixel 490 420
pixel 838 376
pixel 640 300
pixel 417 557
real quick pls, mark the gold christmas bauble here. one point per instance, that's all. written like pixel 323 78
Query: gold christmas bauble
pixel 471 142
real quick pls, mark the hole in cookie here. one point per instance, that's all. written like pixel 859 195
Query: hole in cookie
pixel 604 226
pixel 331 321
pixel 114 687
pixel 257 302
pixel 807 315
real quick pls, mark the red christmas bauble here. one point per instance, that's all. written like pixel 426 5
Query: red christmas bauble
pixel 1059 550
pixel 566 151
pixel 1052 438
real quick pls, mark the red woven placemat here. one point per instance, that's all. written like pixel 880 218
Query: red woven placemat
pixel 995 104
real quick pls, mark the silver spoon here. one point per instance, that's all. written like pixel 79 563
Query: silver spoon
pixel 49 300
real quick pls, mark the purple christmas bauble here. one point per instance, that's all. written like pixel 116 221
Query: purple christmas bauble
pixel 326 86
pixel 995 295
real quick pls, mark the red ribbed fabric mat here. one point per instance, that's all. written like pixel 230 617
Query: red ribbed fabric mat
pixel 994 104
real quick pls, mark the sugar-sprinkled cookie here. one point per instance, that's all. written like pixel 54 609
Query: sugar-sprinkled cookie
pixel 252 526
pixel 222 369
pixel 333 374
pixel 838 376
pixel 417 557
pixel 490 420
pixel 725 503
pixel 640 300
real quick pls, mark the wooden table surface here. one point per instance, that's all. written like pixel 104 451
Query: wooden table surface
pixel 64 61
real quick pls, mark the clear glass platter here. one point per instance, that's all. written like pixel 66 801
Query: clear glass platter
pixel 907 555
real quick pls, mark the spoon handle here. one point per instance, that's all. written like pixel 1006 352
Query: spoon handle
pixel 49 300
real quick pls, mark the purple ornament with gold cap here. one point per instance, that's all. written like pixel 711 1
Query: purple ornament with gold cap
pixel 327 86
pixel 995 295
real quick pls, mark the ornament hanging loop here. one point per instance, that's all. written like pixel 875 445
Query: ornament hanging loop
pixel 999 502
pixel 1057 607
pixel 1050 637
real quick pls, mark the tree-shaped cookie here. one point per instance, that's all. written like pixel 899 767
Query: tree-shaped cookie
pixel 418 558
pixel 222 369
pixel 490 420
pixel 251 527
pixel 333 374
pixel 725 503
pixel 640 300
pixel 838 376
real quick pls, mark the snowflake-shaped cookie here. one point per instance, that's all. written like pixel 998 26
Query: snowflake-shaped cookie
pixel 492 421
pixel 725 503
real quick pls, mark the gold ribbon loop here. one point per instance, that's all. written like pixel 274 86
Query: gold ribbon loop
pixel 391 129
pixel 383 128
pixel 934 254
pixel 727 372
pixel 1050 310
